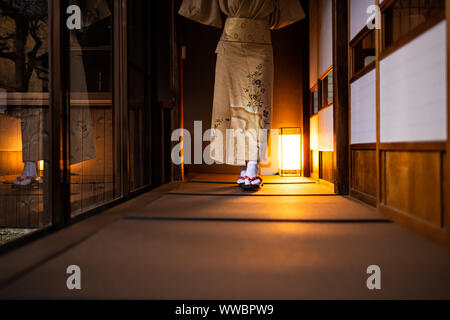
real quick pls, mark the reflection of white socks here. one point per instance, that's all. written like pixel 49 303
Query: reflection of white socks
pixel 30 170
pixel 252 169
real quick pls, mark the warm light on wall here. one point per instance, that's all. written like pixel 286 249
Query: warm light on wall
pixel 41 165
pixel 290 152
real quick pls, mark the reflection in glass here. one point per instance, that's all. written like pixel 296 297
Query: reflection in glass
pixel 315 101
pixel 92 134
pixel 405 15
pixel 24 151
pixel 364 52
pixel 327 90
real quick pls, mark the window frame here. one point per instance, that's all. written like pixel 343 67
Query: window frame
pixel 407 37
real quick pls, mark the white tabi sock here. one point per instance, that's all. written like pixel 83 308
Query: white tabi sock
pixel 243 174
pixel 252 171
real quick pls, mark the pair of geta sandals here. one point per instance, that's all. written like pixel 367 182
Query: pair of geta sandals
pixel 27 182
pixel 249 183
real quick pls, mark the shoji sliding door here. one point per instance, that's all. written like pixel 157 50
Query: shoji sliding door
pixel 25 120
pixel 94 135
pixel 413 114
pixel 363 111
pixel 399 112
pixel 322 95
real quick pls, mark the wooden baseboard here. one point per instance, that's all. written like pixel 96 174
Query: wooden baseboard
pixel 364 197
pixel 440 235
pixel 327 184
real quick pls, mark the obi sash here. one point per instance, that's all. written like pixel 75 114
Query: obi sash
pixel 246 30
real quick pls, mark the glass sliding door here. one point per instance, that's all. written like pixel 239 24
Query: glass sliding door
pixel 24 118
pixel 93 132
pixel 138 75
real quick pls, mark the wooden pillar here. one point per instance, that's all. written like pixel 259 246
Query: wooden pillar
pixel 340 65
pixel 59 190
pixel 446 182
pixel 177 172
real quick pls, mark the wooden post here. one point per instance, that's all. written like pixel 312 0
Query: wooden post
pixel 59 195
pixel 446 182
pixel 340 86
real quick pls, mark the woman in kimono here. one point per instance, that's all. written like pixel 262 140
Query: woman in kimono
pixel 242 107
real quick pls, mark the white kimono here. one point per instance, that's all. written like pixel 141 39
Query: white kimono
pixel 244 72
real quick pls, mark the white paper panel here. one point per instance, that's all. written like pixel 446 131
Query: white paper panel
pixel 326 130
pixel 325 36
pixel 358 15
pixel 413 90
pixel 314 132
pixel 321 39
pixel 364 109
pixel 313 43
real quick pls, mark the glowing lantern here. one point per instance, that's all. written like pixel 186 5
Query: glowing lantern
pixel 41 165
pixel 290 152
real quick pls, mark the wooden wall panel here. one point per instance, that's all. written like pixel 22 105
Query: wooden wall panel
pixel 326 172
pixel 363 175
pixel 412 184
pixel 315 165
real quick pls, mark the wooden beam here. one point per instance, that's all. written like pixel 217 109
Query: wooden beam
pixel 340 64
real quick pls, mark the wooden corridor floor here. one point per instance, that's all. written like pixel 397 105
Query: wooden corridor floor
pixel 206 239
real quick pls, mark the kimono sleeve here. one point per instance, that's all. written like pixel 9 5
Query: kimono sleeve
pixel 202 11
pixel 286 13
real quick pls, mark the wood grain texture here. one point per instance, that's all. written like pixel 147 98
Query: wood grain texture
pixel 326 166
pixel 340 162
pixel 412 184
pixel 363 173
pixel 315 165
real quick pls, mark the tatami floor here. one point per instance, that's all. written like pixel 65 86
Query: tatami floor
pixel 206 239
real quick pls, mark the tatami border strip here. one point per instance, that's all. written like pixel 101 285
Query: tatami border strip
pixel 191 219
pixel 250 195
pixel 269 183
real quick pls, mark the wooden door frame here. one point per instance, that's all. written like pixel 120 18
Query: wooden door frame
pixel 446 162
pixel 59 198
pixel 341 98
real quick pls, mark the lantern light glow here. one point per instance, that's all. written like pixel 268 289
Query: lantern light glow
pixel 290 152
